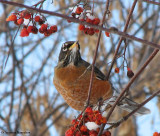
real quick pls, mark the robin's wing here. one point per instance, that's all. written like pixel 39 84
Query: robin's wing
pixel 98 73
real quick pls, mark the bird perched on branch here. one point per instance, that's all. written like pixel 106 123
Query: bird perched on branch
pixel 72 79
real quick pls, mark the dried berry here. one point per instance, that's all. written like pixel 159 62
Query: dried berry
pixel 73 14
pixel 130 73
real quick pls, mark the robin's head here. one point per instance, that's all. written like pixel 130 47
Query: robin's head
pixel 70 53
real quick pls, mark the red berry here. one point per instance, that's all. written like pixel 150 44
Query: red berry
pixel 116 70
pixel 107 133
pixel 27 15
pixel 93 133
pixel 98 116
pixel 32 29
pixel 86 30
pixel 96 30
pixel 35 30
pixel 96 21
pixel 83 128
pixel 80 116
pixel 12 18
pixel 91 31
pixel 81 27
pixel 89 110
pixel 37 18
pixel 82 19
pixel 69 132
pixel 24 32
pixel 73 121
pixel 44 27
pixel 156 134
pixel 40 31
pixel 103 120
pixel 128 69
pixel 107 34
pixel 53 28
pixel 88 20
pixel 79 10
pixel 78 133
pixel 20 21
pixel 47 33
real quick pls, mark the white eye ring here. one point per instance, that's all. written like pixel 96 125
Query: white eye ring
pixel 64 49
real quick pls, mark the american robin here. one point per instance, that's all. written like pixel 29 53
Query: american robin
pixel 72 79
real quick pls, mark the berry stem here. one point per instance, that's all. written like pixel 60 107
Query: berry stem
pixel 111 30
pixel 122 38
pixel 125 90
pixel 95 54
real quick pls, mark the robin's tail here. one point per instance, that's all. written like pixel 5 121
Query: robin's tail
pixel 129 105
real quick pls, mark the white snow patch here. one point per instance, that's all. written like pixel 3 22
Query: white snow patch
pixel 91 17
pixel 91 125
pixel 26 21
pixel 73 9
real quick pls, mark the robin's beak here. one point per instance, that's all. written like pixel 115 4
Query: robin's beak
pixel 74 53
pixel 74 45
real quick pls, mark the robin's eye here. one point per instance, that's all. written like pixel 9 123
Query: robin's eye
pixel 64 49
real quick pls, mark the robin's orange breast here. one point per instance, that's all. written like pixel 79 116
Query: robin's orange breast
pixel 73 84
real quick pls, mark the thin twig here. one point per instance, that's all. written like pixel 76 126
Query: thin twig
pixel 95 54
pixel 114 58
pixel 131 113
pixel 111 30
pixel 12 44
pixel 125 90
pixel 121 39
pixel 151 2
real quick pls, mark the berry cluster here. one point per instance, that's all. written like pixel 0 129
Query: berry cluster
pixel 130 73
pixel 156 134
pixel 85 15
pixel 80 128
pixel 20 17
